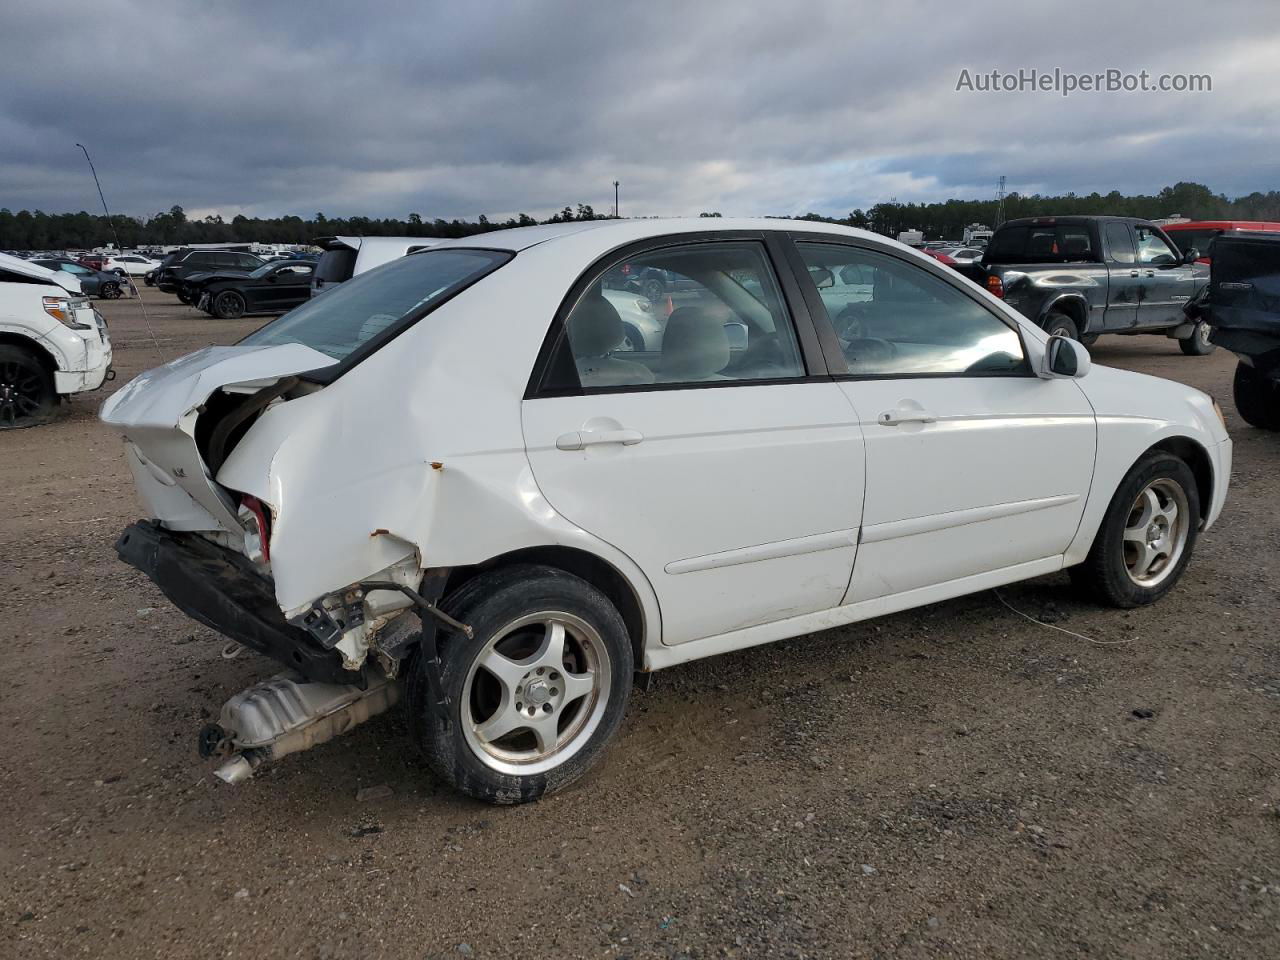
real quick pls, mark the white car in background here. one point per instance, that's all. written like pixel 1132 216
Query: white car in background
pixel 345 257
pixel 129 264
pixel 53 343
pixel 445 480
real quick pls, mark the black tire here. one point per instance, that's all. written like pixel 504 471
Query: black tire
pixel 109 291
pixel 1058 324
pixel 1257 398
pixel 633 339
pixel 1197 345
pixel 182 295
pixel 1104 574
pixel 227 305
pixel 1089 339
pixel 27 395
pixel 488 603
pixel 653 289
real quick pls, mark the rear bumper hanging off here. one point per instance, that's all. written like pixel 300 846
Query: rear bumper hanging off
pixel 223 591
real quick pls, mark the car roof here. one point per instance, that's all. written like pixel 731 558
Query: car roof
pixel 608 234
pixel 1260 226
pixel 1073 218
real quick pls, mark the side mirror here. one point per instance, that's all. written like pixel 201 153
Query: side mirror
pixel 736 333
pixel 1191 256
pixel 1065 358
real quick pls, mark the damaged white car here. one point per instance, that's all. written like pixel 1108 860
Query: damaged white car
pixel 447 477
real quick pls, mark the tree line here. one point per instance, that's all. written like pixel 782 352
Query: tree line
pixel 36 230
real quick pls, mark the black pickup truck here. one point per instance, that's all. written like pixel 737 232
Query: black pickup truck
pixel 1081 277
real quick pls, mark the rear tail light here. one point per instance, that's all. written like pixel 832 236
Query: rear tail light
pixel 995 286
pixel 256 520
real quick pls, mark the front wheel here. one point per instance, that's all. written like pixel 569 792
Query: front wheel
pixel 1147 534
pixel 1197 345
pixel 1257 398
pixel 533 697
pixel 182 295
pixel 27 394
pixel 110 291
pixel 1058 324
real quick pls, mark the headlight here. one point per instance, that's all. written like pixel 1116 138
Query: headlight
pixel 643 305
pixel 62 309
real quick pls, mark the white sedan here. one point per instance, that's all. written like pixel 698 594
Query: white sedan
pixel 129 264
pixel 446 479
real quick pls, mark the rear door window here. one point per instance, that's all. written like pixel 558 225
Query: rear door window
pixel 1041 243
pixel 1120 243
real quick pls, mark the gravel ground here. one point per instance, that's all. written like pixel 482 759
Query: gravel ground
pixel 950 782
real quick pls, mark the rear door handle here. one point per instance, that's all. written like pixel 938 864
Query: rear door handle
pixel 1133 273
pixel 581 439
pixel 1151 273
pixel 891 418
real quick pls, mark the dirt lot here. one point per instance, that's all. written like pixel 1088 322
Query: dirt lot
pixel 954 781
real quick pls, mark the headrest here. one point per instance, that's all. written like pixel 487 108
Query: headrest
pixel 594 327
pixel 694 344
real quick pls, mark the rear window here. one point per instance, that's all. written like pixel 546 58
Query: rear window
pixel 1046 243
pixel 1184 240
pixel 335 266
pixel 370 309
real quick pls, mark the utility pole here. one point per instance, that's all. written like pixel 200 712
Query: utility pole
pixel 615 199
pixel 1000 202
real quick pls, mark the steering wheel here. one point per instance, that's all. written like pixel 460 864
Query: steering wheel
pixel 869 350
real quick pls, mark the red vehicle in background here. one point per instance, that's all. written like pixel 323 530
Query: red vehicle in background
pixel 1201 233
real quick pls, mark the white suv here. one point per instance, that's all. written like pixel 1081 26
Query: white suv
pixel 53 343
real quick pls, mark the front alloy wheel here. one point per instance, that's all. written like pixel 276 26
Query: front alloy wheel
pixel 228 305
pixel 27 394
pixel 1146 536
pixel 533 696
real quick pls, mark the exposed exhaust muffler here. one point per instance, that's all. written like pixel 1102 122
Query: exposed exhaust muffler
pixel 287 714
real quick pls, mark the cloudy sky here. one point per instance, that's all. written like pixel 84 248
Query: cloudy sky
pixel 747 107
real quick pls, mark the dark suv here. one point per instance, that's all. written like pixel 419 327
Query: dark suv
pixel 182 263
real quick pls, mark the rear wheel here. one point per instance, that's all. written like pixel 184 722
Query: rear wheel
pixel 533 697
pixel 1257 398
pixel 110 290
pixel 27 394
pixel 1147 535
pixel 228 305
pixel 1197 345
pixel 1089 339
pixel 1058 324
pixel 182 295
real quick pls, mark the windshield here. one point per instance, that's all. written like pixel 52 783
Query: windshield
pixel 263 270
pixel 387 299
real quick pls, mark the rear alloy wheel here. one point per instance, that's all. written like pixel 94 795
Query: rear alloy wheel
pixel 228 305
pixel 109 290
pixel 533 697
pixel 1257 398
pixel 1058 324
pixel 27 395
pixel 653 289
pixel 1197 345
pixel 1147 534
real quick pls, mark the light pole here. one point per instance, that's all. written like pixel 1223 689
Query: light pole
pixel 111 223
pixel 615 199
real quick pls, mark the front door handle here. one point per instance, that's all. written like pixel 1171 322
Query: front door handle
pixel 581 439
pixel 1151 273
pixel 1133 273
pixel 891 418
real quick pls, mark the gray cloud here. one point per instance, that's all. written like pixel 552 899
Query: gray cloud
pixel 750 107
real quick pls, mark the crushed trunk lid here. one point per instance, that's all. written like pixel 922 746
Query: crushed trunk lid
pixel 157 412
